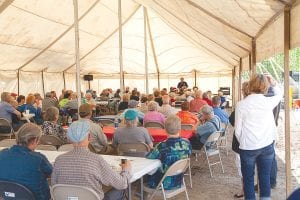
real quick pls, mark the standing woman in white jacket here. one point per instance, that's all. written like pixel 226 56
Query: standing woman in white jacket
pixel 255 130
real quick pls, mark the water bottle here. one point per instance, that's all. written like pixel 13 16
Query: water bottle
pixel 116 122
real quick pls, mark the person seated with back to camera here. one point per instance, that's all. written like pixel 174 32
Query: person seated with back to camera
pixel 21 164
pixel 166 109
pixel 84 168
pixel 187 117
pixel 209 124
pixel 98 139
pixel 51 127
pixel 37 111
pixel 224 117
pixel 197 103
pixel 168 152
pixel 131 133
pixel 153 115
pixel 132 105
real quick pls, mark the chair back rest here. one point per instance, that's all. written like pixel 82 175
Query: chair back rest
pixel 154 125
pixel 187 126
pixel 6 123
pixel 46 147
pixel 179 167
pixel 73 192
pixel 214 138
pixel 133 149
pixel 10 190
pixel 66 147
pixel 51 140
pixel 7 142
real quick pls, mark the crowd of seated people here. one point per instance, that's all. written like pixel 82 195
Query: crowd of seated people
pixel 136 110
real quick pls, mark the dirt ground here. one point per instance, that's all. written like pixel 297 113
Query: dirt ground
pixel 224 186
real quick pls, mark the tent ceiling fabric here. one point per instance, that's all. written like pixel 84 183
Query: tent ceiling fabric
pixel 203 35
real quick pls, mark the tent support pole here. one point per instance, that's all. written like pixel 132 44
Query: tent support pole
pixel 18 76
pixel 77 54
pixel 121 46
pixel 195 78
pixel 64 77
pixel 146 52
pixel 287 99
pixel 253 57
pixel 153 48
pixel 233 86
pixel 240 79
pixel 43 83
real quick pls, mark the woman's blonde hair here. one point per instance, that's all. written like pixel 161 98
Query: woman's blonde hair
pixel 258 84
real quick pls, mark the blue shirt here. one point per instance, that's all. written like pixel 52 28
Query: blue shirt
pixel 168 152
pixel 208 128
pixel 224 117
pixel 31 169
pixel 6 111
pixel 36 111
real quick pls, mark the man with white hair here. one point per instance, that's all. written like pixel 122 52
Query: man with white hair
pixel 166 109
pixel 48 102
pixel 84 168
pixel 209 124
pixel 197 103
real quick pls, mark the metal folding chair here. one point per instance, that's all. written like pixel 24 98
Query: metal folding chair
pixel 64 191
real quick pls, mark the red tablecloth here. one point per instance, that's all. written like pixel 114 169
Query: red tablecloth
pixel 158 135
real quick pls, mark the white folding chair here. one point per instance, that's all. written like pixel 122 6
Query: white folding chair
pixel 64 192
pixel 211 148
pixel 153 125
pixel 133 149
pixel 8 130
pixel 223 138
pixel 179 167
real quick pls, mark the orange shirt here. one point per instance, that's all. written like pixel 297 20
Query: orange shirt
pixel 187 117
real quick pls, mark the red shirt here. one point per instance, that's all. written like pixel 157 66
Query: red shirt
pixel 208 101
pixel 187 117
pixel 196 104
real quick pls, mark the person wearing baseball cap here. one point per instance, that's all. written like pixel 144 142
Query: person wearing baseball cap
pixel 131 133
pixel 132 105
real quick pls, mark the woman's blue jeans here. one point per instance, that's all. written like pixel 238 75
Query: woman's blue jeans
pixel 263 158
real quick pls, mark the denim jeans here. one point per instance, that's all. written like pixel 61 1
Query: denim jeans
pixel 273 176
pixel 263 158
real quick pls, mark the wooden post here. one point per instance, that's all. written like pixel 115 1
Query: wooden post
pixel 287 99
pixel 146 51
pixel 122 88
pixel 77 54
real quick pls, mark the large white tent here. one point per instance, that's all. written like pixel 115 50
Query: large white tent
pixel 182 37
pixel 143 43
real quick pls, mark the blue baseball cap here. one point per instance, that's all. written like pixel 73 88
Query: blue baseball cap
pixel 131 115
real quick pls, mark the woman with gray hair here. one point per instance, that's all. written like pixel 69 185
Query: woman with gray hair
pixel 169 151
pixel 22 165
pixel 153 115
pixel 50 126
pixel 166 109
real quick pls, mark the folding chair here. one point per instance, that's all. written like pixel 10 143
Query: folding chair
pixel 6 129
pixel 46 147
pixel 211 148
pixel 179 167
pixel 11 190
pixel 64 192
pixel 106 122
pixel 51 140
pixel 66 147
pixel 223 138
pixel 154 125
pixel 187 126
pixel 133 149
pixel 7 142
